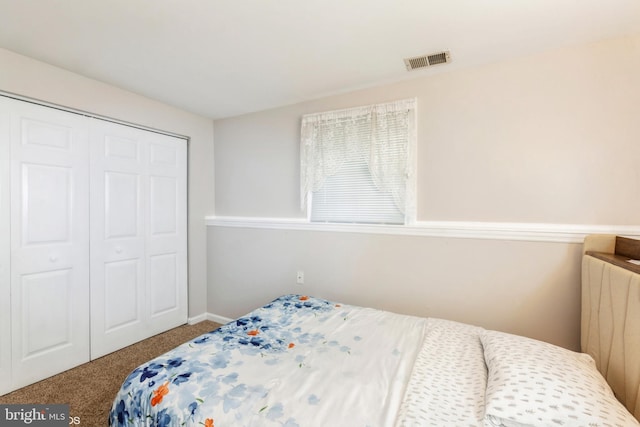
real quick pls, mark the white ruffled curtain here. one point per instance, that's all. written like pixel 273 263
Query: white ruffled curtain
pixel 383 135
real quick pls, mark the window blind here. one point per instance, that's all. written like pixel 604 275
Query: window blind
pixel 358 163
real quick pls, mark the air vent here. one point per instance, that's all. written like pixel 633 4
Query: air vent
pixel 427 60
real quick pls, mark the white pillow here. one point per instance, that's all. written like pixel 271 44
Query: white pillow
pixel 533 383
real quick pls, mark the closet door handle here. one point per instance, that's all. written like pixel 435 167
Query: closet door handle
pixel 53 258
pixel 118 250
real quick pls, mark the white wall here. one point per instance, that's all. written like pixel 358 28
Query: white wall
pixel 551 138
pixel 27 77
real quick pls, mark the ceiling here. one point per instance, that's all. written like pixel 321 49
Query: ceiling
pixel 221 58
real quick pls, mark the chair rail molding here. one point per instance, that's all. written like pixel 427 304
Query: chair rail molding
pixel 532 232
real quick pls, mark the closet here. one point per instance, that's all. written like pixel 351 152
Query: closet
pixel 93 236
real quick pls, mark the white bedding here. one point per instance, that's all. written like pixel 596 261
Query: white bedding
pixel 302 361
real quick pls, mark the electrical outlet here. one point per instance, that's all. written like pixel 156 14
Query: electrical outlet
pixel 300 278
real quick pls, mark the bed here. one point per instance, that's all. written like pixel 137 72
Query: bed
pixel 305 361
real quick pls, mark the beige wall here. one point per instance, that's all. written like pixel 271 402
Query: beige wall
pixel 27 77
pixel 519 287
pixel 551 138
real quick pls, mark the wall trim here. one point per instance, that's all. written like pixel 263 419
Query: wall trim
pixel 209 316
pixel 197 319
pixel 529 232
pixel 219 319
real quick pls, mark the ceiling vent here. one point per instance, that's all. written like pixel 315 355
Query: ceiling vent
pixel 424 61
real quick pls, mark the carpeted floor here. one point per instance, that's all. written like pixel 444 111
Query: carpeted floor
pixel 89 389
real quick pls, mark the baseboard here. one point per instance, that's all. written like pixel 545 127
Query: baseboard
pixel 208 316
pixel 218 319
pixel 197 319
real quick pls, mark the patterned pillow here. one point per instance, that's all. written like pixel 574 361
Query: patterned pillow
pixel 533 383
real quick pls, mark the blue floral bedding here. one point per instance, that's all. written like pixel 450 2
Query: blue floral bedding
pixel 302 361
pixel 297 361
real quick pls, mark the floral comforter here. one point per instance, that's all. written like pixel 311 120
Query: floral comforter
pixel 298 361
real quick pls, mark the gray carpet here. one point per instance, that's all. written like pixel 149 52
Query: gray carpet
pixel 89 389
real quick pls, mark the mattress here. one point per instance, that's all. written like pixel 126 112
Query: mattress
pixel 304 361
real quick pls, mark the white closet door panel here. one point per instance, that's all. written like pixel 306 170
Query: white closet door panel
pixel 122 205
pixel 121 297
pixel 163 206
pixel 118 186
pixel 50 291
pixel 163 276
pixel 5 250
pixel 49 242
pixel 167 232
pixel 46 219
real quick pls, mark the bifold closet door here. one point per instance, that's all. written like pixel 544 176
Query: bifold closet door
pixel 138 235
pixel 5 249
pixel 93 238
pixel 49 241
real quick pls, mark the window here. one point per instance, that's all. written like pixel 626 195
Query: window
pixel 358 165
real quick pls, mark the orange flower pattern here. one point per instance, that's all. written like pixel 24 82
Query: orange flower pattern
pixel 159 393
pixel 265 332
